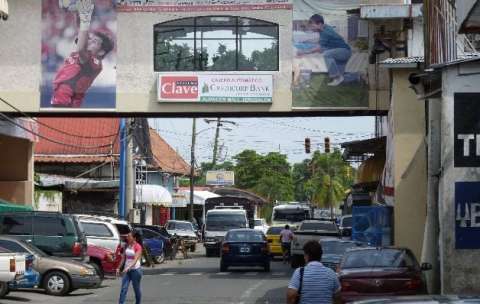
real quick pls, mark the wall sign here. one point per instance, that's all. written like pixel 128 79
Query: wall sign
pixel 220 178
pixel 216 88
pixel 467 129
pixel 467 215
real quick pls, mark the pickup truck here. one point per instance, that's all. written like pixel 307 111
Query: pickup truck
pixel 12 268
pixel 310 230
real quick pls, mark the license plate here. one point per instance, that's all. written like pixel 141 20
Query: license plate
pixel 244 249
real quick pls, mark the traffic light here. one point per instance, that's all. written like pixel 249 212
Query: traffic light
pixel 327 145
pixel 307 145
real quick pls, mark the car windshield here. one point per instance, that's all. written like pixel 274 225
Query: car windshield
pixel 225 221
pixel 289 215
pixel 182 226
pixel 347 222
pixel 375 258
pixel 274 230
pixel 244 236
pixel 318 226
pixel 258 223
pixel 336 247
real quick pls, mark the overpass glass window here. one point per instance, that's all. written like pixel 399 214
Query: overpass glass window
pixel 216 43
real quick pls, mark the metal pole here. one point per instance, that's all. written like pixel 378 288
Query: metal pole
pixel 123 152
pixel 215 143
pixel 192 167
pixel 129 172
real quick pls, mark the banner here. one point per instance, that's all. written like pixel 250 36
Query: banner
pixel 200 5
pixel 330 55
pixel 216 88
pixel 466 130
pixel 467 215
pixel 78 54
pixel 220 178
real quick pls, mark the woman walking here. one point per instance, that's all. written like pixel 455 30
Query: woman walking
pixel 132 272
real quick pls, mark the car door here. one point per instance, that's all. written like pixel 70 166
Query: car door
pixel 17 224
pixel 154 243
pixel 50 235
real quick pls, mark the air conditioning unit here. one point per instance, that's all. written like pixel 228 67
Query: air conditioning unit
pixel 134 216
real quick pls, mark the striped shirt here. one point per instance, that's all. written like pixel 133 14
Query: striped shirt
pixel 319 284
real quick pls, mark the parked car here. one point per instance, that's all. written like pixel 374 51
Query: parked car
pixel 273 239
pixel 423 299
pixel 30 278
pixel 334 250
pixel 345 225
pixel 310 230
pixel 12 267
pixel 261 225
pixel 104 260
pixel 163 232
pixel 99 232
pixel 244 247
pixel 58 276
pixel 155 242
pixel 54 233
pixel 123 227
pixel 184 230
pixel 379 272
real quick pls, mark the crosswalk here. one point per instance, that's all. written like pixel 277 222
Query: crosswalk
pixel 226 273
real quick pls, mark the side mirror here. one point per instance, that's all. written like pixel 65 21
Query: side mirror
pixel 426 266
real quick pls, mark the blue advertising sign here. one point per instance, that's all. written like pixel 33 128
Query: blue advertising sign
pixel 467 215
pixel 372 225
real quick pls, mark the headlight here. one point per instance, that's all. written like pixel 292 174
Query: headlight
pixel 85 271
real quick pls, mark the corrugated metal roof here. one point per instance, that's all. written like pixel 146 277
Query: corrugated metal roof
pixel 404 60
pixel 471 24
pixel 87 159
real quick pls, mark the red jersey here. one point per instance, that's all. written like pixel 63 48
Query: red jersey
pixel 74 78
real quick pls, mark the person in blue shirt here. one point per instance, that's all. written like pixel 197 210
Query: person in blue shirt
pixel 333 47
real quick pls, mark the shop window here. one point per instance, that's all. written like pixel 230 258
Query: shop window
pixel 216 43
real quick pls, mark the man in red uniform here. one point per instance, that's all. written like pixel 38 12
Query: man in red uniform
pixel 80 69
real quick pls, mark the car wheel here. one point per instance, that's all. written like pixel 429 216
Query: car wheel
pixel 99 271
pixel 159 259
pixel 266 267
pixel 193 248
pixel 56 283
pixel 223 267
pixel 3 289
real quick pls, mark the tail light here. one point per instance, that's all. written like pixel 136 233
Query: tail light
pixel 413 284
pixel 77 249
pixel 225 248
pixel 346 286
pixel 12 265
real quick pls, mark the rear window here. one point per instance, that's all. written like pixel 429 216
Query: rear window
pixel 336 247
pixel 378 258
pixel 96 229
pixel 347 222
pixel 18 224
pixel 258 223
pixel 245 236
pixel 318 226
pixel 274 230
pixel 123 229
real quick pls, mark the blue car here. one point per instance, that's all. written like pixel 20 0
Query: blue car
pixel 155 243
pixel 245 247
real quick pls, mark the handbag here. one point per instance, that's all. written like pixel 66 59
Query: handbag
pixel 299 296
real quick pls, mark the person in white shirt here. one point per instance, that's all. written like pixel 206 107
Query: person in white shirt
pixel 286 237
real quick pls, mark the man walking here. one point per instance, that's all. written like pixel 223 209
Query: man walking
pixel 286 237
pixel 313 283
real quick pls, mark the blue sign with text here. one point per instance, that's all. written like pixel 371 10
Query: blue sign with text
pixel 467 215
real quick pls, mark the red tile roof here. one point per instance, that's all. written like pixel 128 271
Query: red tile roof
pixel 165 157
pixel 77 140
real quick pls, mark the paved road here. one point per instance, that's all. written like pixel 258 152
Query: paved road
pixel 197 280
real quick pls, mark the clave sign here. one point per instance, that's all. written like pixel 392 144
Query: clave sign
pixel 216 88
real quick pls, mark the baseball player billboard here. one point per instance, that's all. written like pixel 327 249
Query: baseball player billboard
pixel 78 55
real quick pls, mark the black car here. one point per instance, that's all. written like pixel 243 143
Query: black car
pixel 54 233
pixel 245 247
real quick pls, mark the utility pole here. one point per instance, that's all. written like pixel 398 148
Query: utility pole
pixel 215 143
pixel 123 152
pixel 130 174
pixel 192 167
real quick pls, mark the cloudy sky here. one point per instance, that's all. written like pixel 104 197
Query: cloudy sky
pixel 285 135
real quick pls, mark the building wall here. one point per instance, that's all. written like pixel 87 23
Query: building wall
pixel 16 169
pixel 100 202
pixel 410 164
pixel 460 267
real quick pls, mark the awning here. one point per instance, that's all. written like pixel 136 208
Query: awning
pixel 9 207
pixel 153 195
pixel 74 183
pixel 199 197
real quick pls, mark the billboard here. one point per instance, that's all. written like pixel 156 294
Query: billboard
pixel 211 88
pixel 466 130
pixel 467 215
pixel 200 5
pixel 220 178
pixel 78 55
pixel 330 55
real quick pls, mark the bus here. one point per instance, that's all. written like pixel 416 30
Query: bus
pixel 292 213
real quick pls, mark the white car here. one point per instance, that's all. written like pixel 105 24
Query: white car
pixel 261 225
pixel 185 230
pixel 12 267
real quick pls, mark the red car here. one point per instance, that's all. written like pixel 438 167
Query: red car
pixel 104 260
pixel 372 272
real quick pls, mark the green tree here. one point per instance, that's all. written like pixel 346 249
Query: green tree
pixel 247 171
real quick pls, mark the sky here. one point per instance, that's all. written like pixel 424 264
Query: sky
pixel 284 135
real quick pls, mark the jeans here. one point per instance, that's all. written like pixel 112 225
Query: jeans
pixel 336 61
pixel 134 275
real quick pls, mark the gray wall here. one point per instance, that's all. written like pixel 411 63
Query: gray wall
pixel 460 267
